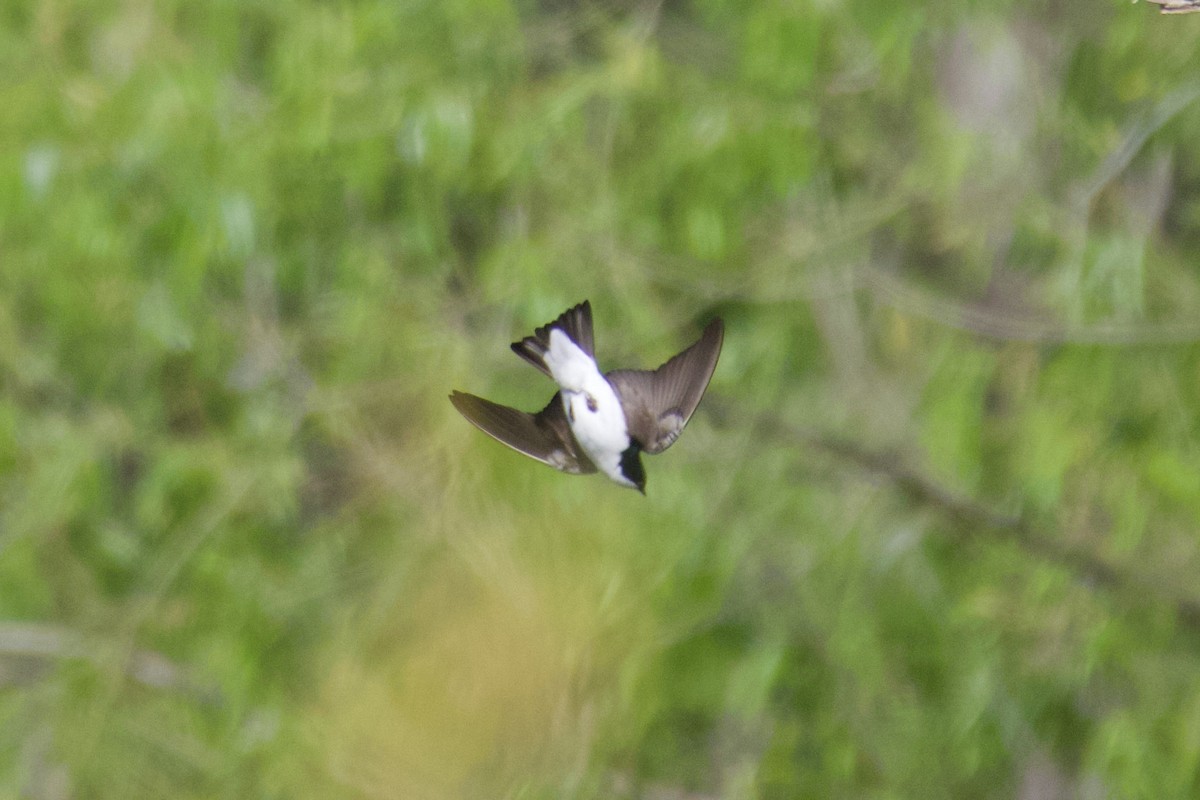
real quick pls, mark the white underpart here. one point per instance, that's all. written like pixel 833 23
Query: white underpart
pixel 601 433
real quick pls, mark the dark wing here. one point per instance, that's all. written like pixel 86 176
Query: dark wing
pixel 658 404
pixel 545 436
pixel 576 322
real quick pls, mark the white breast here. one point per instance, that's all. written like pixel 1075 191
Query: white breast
pixel 592 406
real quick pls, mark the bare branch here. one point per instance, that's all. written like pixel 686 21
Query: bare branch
pixel 45 642
pixel 976 517
pixel 892 290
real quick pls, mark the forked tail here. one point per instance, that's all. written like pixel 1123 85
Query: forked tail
pixel 575 322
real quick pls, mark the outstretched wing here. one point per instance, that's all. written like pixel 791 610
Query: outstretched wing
pixel 659 403
pixel 545 436
pixel 576 322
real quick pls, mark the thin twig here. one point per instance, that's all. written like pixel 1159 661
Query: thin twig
pixel 1093 570
pixel 47 642
pixel 892 290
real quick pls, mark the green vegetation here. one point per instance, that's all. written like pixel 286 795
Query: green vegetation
pixel 934 532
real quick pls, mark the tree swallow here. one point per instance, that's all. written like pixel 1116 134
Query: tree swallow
pixel 598 421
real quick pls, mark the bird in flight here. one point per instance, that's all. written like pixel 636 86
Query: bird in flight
pixel 598 421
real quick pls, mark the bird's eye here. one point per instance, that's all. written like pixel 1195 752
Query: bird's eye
pixel 591 403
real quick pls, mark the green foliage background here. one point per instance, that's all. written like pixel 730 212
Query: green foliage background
pixel 935 531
